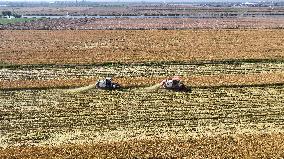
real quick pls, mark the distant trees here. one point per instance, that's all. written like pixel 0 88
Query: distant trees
pixel 6 13
pixel 9 14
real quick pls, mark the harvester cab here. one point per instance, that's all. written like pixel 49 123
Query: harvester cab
pixel 173 84
pixel 107 84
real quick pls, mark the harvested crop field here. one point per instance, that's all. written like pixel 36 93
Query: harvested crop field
pixel 51 117
pixel 134 75
pixel 241 146
pixel 158 10
pixel 164 23
pixel 147 17
pixel 39 116
pixel 234 108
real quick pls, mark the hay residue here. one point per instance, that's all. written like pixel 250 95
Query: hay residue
pixel 154 87
pixel 81 89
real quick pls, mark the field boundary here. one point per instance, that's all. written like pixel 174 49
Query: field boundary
pixel 160 63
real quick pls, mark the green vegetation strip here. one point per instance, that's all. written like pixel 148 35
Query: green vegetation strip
pixel 4 21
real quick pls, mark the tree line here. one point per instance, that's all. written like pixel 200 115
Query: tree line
pixel 9 14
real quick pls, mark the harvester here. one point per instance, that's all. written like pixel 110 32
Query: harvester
pixel 174 84
pixel 107 84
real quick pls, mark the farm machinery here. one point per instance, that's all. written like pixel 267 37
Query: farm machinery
pixel 107 84
pixel 174 84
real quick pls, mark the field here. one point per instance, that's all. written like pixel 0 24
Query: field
pixel 139 16
pixel 93 47
pixel 143 23
pixel 235 107
pixel 133 9
pixel 16 20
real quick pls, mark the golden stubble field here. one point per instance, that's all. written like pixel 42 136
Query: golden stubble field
pixel 235 108
pixel 220 122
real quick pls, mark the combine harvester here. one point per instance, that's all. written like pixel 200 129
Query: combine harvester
pixel 174 84
pixel 105 84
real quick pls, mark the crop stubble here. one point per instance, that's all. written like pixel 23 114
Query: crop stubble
pixel 241 146
pixel 41 116
pixel 50 117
